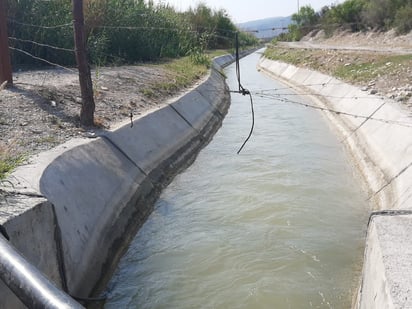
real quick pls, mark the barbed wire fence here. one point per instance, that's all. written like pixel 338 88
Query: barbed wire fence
pixel 263 93
pixel 275 95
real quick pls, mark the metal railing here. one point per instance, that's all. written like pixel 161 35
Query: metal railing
pixel 28 283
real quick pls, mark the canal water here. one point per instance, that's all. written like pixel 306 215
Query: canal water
pixel 281 225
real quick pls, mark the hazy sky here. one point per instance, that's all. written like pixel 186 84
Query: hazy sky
pixel 241 10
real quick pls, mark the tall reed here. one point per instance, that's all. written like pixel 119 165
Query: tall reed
pixel 118 31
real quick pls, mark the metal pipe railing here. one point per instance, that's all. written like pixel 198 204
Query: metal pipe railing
pixel 28 283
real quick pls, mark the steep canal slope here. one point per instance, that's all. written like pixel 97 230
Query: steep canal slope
pixel 377 132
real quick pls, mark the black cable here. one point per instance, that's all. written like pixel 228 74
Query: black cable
pixel 243 91
pixel 252 127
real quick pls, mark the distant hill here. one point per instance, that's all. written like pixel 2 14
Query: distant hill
pixel 266 28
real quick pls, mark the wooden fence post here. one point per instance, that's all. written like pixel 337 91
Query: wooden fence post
pixel 5 62
pixel 85 79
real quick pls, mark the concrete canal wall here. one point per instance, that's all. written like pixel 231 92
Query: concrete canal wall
pixel 378 134
pixel 72 211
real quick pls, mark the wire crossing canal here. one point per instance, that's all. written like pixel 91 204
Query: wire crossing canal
pixel 281 225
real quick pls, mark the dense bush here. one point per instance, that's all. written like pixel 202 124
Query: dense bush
pixel 379 14
pixel 355 15
pixel 119 31
pixel 403 19
pixel 28 21
pixel 304 21
pixel 347 15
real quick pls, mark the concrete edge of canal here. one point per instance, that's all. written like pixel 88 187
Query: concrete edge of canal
pixel 73 210
pixel 377 133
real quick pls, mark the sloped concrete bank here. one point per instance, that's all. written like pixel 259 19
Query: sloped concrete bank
pixel 378 133
pixel 74 209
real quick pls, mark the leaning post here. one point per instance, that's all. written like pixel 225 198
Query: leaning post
pixel 5 61
pixel 85 79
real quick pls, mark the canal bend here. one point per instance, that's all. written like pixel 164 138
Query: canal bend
pixel 281 225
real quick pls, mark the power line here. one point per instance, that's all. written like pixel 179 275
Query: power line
pixel 313 27
pixel 39 26
pixel 213 32
pixel 264 30
pixel 391 180
pixel 143 28
pixel 128 27
pixel 363 122
pixel 41 44
pixel 41 59
pixel 292 94
pixel 366 118
pixel 244 92
pixel 285 100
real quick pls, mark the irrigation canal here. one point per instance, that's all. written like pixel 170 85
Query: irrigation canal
pixel 281 225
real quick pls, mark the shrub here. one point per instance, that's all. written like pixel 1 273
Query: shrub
pixel 304 21
pixel 403 20
pixel 380 14
pixel 120 31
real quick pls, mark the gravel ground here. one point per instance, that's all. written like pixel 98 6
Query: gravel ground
pixel 393 80
pixel 42 109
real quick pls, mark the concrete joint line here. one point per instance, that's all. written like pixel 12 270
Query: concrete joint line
pixel 215 110
pixel 187 121
pixel 59 251
pixel 123 153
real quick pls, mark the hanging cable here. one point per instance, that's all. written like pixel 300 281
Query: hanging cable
pixel 243 91
pixel 253 124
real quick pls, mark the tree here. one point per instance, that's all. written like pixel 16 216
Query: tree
pixel 224 29
pixel 345 15
pixel 5 64
pixel 305 17
pixel 85 78
pixel 403 19
pixel 304 21
pixel 381 13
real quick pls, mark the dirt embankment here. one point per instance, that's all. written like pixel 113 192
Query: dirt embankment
pixel 368 41
pixel 42 109
pixel 379 63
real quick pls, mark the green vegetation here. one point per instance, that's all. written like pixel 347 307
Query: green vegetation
pixel 118 31
pixel 8 163
pixel 292 56
pixel 353 15
pixel 183 72
pixel 372 69
pixel 365 67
